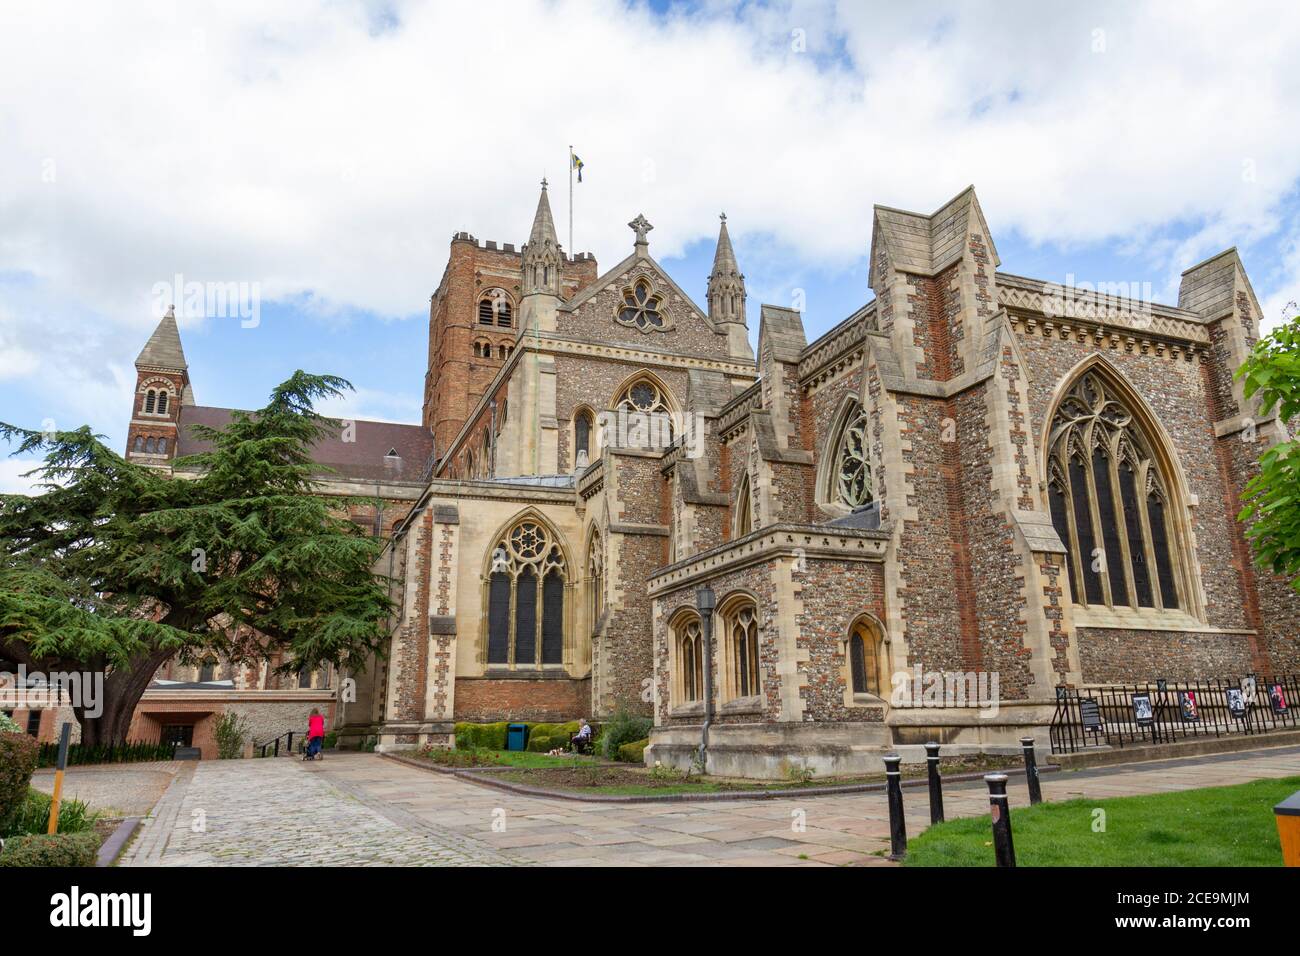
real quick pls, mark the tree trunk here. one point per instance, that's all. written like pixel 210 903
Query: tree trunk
pixel 122 691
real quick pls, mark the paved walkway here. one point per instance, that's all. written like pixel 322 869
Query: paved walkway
pixel 118 790
pixel 360 809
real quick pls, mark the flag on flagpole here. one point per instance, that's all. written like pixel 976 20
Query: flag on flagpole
pixel 577 163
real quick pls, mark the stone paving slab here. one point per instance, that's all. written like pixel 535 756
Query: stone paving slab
pixel 360 809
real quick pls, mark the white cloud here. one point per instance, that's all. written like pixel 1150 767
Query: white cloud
pixel 12 478
pixel 315 146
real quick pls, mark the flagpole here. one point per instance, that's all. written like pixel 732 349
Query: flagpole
pixel 571 252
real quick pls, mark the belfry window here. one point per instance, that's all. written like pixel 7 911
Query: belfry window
pixel 1110 502
pixel 150 399
pixel 848 477
pixel 162 402
pixel 494 309
pixel 525 598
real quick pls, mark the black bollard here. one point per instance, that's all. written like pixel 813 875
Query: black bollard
pixel 1000 811
pixel 1031 771
pixel 936 784
pixel 894 789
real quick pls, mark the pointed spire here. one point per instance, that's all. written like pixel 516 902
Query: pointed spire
pixel 163 350
pixel 724 260
pixel 543 222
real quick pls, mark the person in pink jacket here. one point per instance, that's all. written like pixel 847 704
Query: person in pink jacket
pixel 315 734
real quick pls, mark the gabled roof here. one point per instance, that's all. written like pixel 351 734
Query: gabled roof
pixel 927 245
pixel 362 459
pixel 572 305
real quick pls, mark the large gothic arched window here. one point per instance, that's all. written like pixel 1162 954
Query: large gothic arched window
pixel 525 598
pixel 847 476
pixel 740 648
pixel 1110 502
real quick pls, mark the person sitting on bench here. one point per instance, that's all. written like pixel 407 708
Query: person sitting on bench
pixel 581 741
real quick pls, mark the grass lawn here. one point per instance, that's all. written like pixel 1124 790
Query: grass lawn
pixel 1216 826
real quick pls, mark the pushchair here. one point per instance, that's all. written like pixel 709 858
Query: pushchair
pixel 311 749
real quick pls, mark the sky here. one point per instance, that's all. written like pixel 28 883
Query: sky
pixel 314 158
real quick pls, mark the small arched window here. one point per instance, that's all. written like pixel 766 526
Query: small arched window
pixel 1110 501
pixel 525 598
pixel 150 399
pixel 744 509
pixel 162 402
pixel 740 639
pixel 139 443
pixel 689 646
pixel 865 658
pixel 644 407
pixel 582 427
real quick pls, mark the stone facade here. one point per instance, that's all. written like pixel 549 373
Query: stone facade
pixel 889 501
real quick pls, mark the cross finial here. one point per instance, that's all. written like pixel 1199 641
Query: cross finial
pixel 543 182
pixel 640 225
pixel 723 217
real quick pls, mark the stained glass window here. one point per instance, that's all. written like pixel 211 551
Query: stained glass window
pixel 525 598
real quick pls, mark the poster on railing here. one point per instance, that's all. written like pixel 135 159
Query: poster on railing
pixel 1277 697
pixel 1236 703
pixel 1142 710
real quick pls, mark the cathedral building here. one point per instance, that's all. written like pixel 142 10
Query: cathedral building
pixel 988 477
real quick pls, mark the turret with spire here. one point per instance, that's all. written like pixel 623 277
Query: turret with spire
pixel 542 257
pixel 162 378
pixel 726 294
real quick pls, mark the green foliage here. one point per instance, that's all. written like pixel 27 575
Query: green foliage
pixel 1214 826
pixel 80 754
pixel 115 568
pixel 17 764
pixel 543 738
pixel 623 728
pixel 8 725
pixel 331 740
pixel 61 849
pixel 231 732
pixel 481 736
pixel 1272 497
pixel 633 752
pixel 34 815
pixel 796 772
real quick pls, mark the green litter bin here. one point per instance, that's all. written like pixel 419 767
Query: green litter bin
pixel 516 736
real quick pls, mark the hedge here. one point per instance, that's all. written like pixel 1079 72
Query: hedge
pixel 17 763
pixel 107 753
pixel 623 728
pixel 61 849
pixel 481 736
pixel 543 738
pixel 633 752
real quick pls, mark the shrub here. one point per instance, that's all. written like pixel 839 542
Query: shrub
pixel 230 731
pixel 61 849
pixel 543 738
pixel 623 728
pixel 482 736
pixel 17 763
pixel 34 815
pixel 8 725
pixel 634 752
pixel 331 740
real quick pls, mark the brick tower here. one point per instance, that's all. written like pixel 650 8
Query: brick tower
pixel 475 316
pixel 162 385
